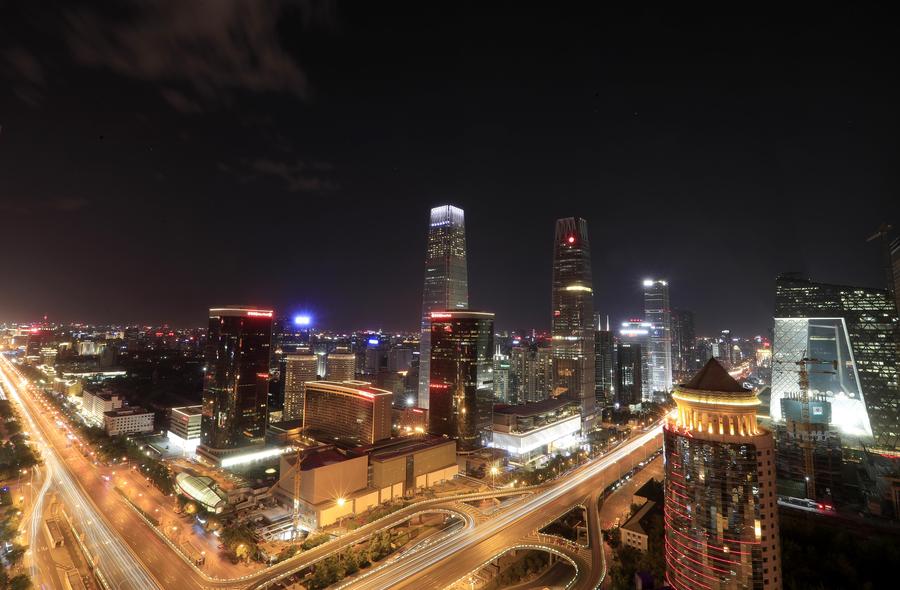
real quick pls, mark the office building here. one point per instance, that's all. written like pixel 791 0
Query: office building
pixel 684 349
pixel 501 378
pixel 632 366
pixel 531 372
pixel 184 427
pixel 895 272
pixel 530 431
pixel 852 330
pixel 96 402
pixel 604 365
pixel 298 370
pixel 573 316
pixel 659 343
pixel 236 380
pixel 346 412
pixel 721 505
pixel 340 366
pixel 446 281
pixel 462 347
pixel 131 420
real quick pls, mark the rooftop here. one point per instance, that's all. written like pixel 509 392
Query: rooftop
pixel 714 377
pixel 634 523
pixel 189 410
pixel 129 411
pixel 391 448
pixel 533 408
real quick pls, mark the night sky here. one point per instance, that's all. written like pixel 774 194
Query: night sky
pixel 158 158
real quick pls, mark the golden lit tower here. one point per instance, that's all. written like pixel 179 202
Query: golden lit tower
pixel 721 510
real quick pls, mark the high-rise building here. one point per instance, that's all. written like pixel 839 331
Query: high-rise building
pixel 236 380
pixel 573 317
pixel 629 373
pixel 895 271
pixel 446 280
pixel 852 330
pixel 632 370
pixel 721 509
pixel 501 377
pixel 604 364
pixel 340 366
pixel 659 346
pixel 531 372
pixel 684 350
pixel 299 369
pixel 462 396
pixel 348 412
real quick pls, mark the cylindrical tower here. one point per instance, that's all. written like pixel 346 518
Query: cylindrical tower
pixel 721 509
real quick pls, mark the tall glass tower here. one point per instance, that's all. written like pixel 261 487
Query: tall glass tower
pixel 446 280
pixel 236 380
pixel 462 390
pixel 573 316
pixel 851 333
pixel 659 346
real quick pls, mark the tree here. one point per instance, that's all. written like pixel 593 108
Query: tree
pixel 15 555
pixel 20 582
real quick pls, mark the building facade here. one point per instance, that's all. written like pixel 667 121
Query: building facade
pixel 236 380
pixel 632 365
pixel 298 370
pixel 340 366
pixel 446 281
pixel 531 372
pixel 854 331
pixel 347 412
pixel 721 505
pixel 462 346
pixel 573 316
pixel 604 366
pixel 131 420
pixel 659 344
pixel 684 350
pixel 185 427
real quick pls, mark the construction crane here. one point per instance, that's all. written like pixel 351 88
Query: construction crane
pixel 294 471
pixel 807 442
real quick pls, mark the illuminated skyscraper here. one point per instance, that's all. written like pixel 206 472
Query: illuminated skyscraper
pixel 632 373
pixel 853 329
pixel 604 363
pixel 236 377
pixel 446 280
pixel 462 395
pixel 299 369
pixel 721 510
pixel 573 316
pixel 531 372
pixel 659 345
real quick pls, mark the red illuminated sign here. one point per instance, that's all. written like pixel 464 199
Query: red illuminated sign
pixel 571 239
pixel 259 313
pixel 436 315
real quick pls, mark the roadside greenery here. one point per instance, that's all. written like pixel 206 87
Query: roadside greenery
pixel 352 560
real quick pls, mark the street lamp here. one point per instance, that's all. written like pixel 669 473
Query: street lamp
pixel 494 472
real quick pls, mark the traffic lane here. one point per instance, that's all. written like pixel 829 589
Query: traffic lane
pixel 618 504
pixel 440 571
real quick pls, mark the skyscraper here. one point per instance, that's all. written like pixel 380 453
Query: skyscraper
pixel 721 511
pixel 659 345
pixel 299 369
pixel 604 363
pixel 446 280
pixel 632 372
pixel 573 316
pixel 854 330
pixel 236 378
pixel 684 350
pixel 462 396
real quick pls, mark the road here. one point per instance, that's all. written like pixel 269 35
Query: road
pixel 445 562
pixel 132 555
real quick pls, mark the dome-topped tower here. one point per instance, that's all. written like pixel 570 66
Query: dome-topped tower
pixel 714 403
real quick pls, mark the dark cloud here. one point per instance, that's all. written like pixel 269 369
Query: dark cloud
pixel 58 204
pixel 298 176
pixel 201 51
pixel 27 75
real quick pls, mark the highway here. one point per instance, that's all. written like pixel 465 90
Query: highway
pixel 445 562
pixel 130 554
pixel 113 557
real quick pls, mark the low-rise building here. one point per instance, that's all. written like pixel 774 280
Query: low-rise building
pixel 131 420
pixel 96 402
pixel 184 427
pixel 635 531
pixel 530 431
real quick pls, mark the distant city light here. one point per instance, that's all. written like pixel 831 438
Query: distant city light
pixel 302 320
pixel 571 239
pixel 373 342
pixel 410 401
pixel 648 282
